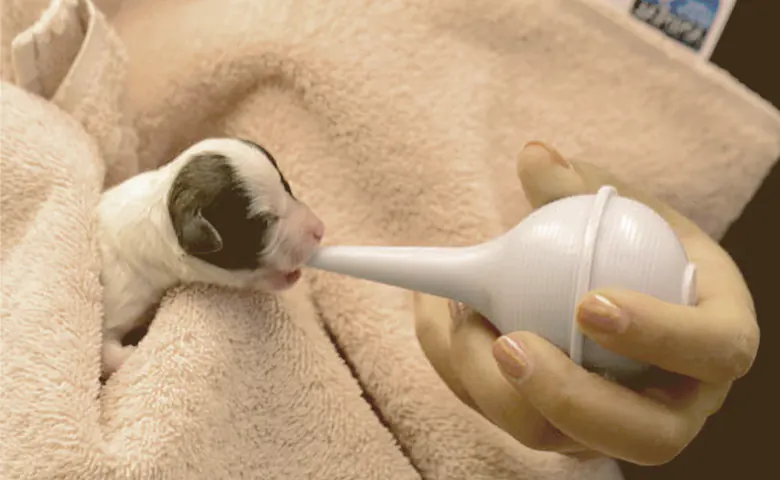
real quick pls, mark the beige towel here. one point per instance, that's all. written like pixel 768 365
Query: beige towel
pixel 398 121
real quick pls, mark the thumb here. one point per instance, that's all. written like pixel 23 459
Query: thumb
pixel 546 176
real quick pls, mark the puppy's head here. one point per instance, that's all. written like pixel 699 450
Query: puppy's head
pixel 231 207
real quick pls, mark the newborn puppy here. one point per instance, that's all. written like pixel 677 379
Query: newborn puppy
pixel 220 213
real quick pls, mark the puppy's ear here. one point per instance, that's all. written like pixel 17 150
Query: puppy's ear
pixel 198 236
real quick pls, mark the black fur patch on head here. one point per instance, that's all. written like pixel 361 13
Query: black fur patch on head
pixel 208 196
pixel 273 162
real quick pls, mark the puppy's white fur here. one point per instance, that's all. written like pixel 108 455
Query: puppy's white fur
pixel 142 257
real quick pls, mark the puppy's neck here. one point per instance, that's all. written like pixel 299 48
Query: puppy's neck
pixel 136 227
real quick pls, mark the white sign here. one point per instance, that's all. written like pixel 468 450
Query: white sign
pixel 695 24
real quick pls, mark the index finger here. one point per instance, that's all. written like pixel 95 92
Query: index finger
pixel 497 400
pixel 546 176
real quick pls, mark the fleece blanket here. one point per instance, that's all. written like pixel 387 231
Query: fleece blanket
pixel 398 122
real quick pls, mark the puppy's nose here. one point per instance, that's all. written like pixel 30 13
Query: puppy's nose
pixel 318 230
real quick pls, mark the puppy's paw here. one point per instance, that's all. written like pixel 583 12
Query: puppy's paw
pixel 114 355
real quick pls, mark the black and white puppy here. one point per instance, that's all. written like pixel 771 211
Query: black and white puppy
pixel 220 213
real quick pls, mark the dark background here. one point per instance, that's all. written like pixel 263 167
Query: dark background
pixel 739 441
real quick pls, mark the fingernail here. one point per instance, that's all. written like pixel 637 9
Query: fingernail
pixel 557 157
pixel 458 312
pixel 512 359
pixel 598 313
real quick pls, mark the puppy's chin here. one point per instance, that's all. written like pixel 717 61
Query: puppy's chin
pixel 284 271
pixel 283 263
pixel 279 281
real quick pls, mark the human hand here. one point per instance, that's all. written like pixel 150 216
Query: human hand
pixel 532 390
